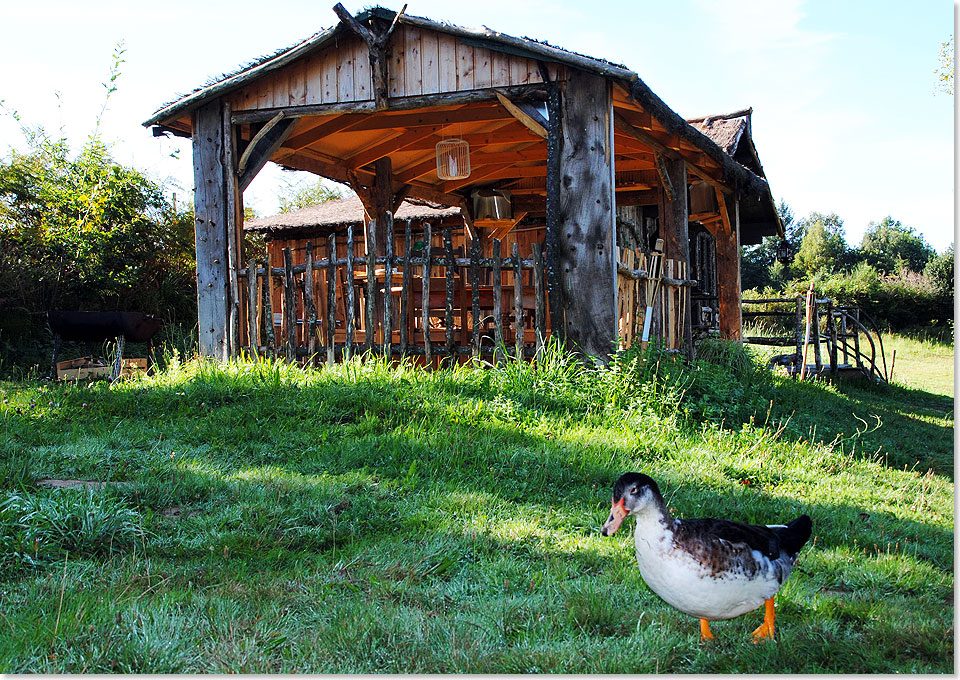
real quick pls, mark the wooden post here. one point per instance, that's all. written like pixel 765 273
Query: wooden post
pixel 475 292
pixel 728 274
pixel 448 292
pixel 309 308
pixel 832 330
pixel 370 318
pixel 268 310
pixel 674 229
pixel 587 234
pixel 552 238
pixel 331 319
pixel 253 308
pixel 211 231
pixel 388 288
pixel 234 220
pixel 517 303
pixel 815 329
pixel 798 336
pixel 289 305
pixel 425 311
pixel 350 317
pixel 497 303
pixel 856 339
pixel 405 295
pixel 539 302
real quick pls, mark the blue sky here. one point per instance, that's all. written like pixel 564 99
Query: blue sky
pixel 846 114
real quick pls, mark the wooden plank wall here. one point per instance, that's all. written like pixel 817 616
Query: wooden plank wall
pixel 423 62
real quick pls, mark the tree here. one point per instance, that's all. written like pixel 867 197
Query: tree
pixel 756 260
pixel 939 270
pixel 823 248
pixel 945 69
pixel 891 247
pixel 302 195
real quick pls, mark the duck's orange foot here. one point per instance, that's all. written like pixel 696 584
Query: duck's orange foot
pixel 705 633
pixel 765 631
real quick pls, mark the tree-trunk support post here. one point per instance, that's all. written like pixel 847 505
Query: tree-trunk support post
pixel 674 229
pixel 211 208
pixel 587 245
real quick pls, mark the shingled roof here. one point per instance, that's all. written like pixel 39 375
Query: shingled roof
pixel 341 212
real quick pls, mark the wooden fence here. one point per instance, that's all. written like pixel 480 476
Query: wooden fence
pixel 649 281
pixel 413 303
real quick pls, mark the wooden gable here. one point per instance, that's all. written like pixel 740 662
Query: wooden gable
pixel 422 62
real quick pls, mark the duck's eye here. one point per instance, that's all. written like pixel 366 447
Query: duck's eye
pixel 633 491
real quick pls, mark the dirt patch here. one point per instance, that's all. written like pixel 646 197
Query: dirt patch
pixel 175 512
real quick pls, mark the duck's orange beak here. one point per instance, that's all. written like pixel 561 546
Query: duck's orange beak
pixel 617 513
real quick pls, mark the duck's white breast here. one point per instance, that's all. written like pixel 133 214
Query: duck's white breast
pixel 683 582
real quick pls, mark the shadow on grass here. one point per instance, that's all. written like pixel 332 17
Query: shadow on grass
pixel 888 423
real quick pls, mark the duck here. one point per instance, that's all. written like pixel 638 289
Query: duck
pixel 712 569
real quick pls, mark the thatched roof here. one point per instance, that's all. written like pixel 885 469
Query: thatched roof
pixel 725 130
pixel 341 212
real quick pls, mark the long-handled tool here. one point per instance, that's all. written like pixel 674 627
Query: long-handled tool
pixel 654 278
pixel 806 334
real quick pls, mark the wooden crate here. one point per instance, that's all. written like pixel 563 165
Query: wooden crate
pixel 87 368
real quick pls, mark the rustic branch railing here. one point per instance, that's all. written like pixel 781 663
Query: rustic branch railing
pixel 321 314
pixel 837 329
pixel 634 288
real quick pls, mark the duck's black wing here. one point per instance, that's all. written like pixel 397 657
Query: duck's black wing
pixel 719 543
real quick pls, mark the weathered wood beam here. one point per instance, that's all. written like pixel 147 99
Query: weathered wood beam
pixel 377 49
pixel 336 124
pixel 475 176
pixel 658 145
pixel 510 133
pixel 517 93
pixel 257 139
pixel 728 274
pixel 724 213
pixel 587 235
pixel 552 200
pixel 397 143
pixel 665 178
pixel 210 222
pixel 525 118
pixel 471 114
pixel 260 149
pixel 674 230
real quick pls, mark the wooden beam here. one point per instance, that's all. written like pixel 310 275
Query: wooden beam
pixel 392 145
pixel 728 275
pixel 724 213
pixel 674 230
pixel 511 133
pixel 258 152
pixel 453 185
pixel 335 124
pixel 517 93
pixel 406 120
pixel 258 139
pixel 210 223
pixel 525 118
pixel 665 177
pixel 418 169
pixel 587 235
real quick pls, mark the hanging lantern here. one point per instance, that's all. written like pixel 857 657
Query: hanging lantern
pixel 784 252
pixel 453 159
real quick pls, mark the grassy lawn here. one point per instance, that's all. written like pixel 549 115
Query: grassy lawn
pixel 263 518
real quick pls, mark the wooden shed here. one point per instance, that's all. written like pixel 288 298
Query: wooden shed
pixel 575 152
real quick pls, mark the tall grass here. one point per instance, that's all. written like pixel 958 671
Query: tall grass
pixel 377 517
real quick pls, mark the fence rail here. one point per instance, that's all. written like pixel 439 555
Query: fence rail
pixel 415 302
